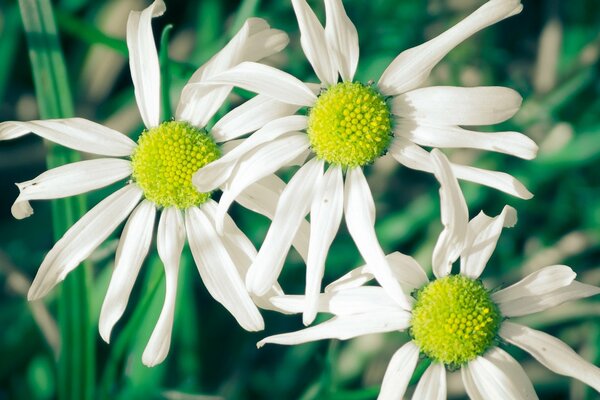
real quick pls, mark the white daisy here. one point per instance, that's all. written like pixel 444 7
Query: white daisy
pixel 350 125
pixel 160 168
pixel 453 320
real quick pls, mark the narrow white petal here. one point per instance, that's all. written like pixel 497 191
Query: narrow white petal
pixel 533 304
pixel 325 215
pixel 314 43
pixel 131 252
pixel 143 61
pixel 448 105
pixel 469 384
pixel 412 67
pixel 69 180
pixel 427 133
pixel 263 161
pixel 199 103
pixel 552 353
pixel 291 210
pixel 218 172
pixel 432 385
pixel 250 116
pixel 169 241
pixel 345 327
pixel 266 80
pixel 398 372
pixel 499 376
pixel 262 197
pixel 342 38
pixel 482 235
pixel 538 283
pixel 82 238
pixel 75 133
pixel 455 217
pixel 359 211
pixel 218 271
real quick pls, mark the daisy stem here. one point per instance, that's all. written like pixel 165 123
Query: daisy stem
pixel 76 358
pixel 165 73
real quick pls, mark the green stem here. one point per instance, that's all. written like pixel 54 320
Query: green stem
pixel 76 359
pixel 165 73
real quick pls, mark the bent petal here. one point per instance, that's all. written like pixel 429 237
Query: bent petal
pixel 538 283
pixel 342 38
pixel 398 372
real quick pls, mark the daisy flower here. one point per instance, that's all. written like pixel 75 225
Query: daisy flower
pixel 454 321
pixel 159 168
pixel 352 124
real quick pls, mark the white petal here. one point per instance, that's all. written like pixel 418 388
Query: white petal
pixel 342 39
pixel 552 353
pixel 169 241
pixel 133 248
pixel 469 384
pixel 69 180
pixel 199 103
pixel 314 44
pixel 345 327
pixel 398 372
pixel 263 161
pixel 75 133
pixel 325 215
pixel 250 116
pixel 218 271
pixel 432 385
pixel 359 211
pixel 266 80
pixel 82 238
pixel 538 283
pixel 448 105
pixel 499 376
pixel 426 133
pixel 482 235
pixel 455 217
pixel 291 210
pixel 412 67
pixel 143 62
pixel 414 157
pixel 533 304
pixel 262 197
pixel 216 173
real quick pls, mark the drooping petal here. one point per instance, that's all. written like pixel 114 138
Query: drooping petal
pixel 538 283
pixel 143 62
pixel 448 105
pixel 75 133
pixel 132 250
pixel 554 354
pixel 291 210
pixel 426 133
pixel 82 238
pixel 412 67
pixel 325 215
pixel 169 242
pixel 482 235
pixel 345 327
pixel 432 385
pixel 359 210
pixel 455 217
pixel 218 271
pixel 398 372
pixel 314 43
pixel 69 180
pixel 342 38
pixel 497 375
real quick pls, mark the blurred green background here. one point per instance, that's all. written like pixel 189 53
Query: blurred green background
pixel 549 53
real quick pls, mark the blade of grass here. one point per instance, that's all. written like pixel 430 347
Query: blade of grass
pixel 76 359
pixel 246 10
pixel 165 73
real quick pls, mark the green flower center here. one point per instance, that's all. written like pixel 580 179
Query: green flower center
pixel 350 125
pixel 166 158
pixel 454 320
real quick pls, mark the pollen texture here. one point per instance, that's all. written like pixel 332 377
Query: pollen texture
pixel 165 160
pixel 454 320
pixel 350 125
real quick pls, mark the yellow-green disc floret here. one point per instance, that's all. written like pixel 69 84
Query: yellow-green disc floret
pixel 166 158
pixel 350 125
pixel 454 320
